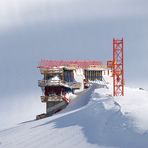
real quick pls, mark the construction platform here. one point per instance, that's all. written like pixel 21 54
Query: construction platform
pixel 62 78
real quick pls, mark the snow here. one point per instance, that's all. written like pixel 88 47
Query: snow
pixel 55 78
pixel 94 119
pixel 79 77
pixel 135 105
pixel 19 108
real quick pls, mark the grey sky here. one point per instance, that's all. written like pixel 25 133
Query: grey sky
pixel 68 29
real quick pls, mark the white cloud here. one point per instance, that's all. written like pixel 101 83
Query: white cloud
pixel 15 13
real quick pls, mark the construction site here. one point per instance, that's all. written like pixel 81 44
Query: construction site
pixel 62 79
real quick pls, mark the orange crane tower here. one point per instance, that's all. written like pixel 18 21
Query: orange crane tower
pixel 118 67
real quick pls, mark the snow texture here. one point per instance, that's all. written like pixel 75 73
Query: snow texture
pixel 94 119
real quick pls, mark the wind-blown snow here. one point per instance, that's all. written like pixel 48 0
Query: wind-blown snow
pixel 92 120
pixel 135 105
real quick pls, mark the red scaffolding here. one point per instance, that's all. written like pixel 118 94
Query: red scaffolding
pixel 118 67
pixel 57 63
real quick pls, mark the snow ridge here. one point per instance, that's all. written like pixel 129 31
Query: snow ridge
pixel 94 120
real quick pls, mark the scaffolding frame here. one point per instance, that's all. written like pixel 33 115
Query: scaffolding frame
pixel 118 67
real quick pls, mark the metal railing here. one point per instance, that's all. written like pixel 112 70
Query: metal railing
pixel 43 83
pixel 51 98
pixel 51 71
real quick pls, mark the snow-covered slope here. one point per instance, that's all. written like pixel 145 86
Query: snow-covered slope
pixel 19 108
pixel 93 120
pixel 135 106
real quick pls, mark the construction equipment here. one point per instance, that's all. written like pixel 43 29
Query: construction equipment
pixel 118 67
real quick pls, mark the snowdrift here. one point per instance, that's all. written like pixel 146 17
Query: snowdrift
pixel 93 120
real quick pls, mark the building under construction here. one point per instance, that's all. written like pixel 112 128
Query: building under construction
pixel 62 78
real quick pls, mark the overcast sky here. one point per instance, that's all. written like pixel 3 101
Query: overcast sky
pixel 68 29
